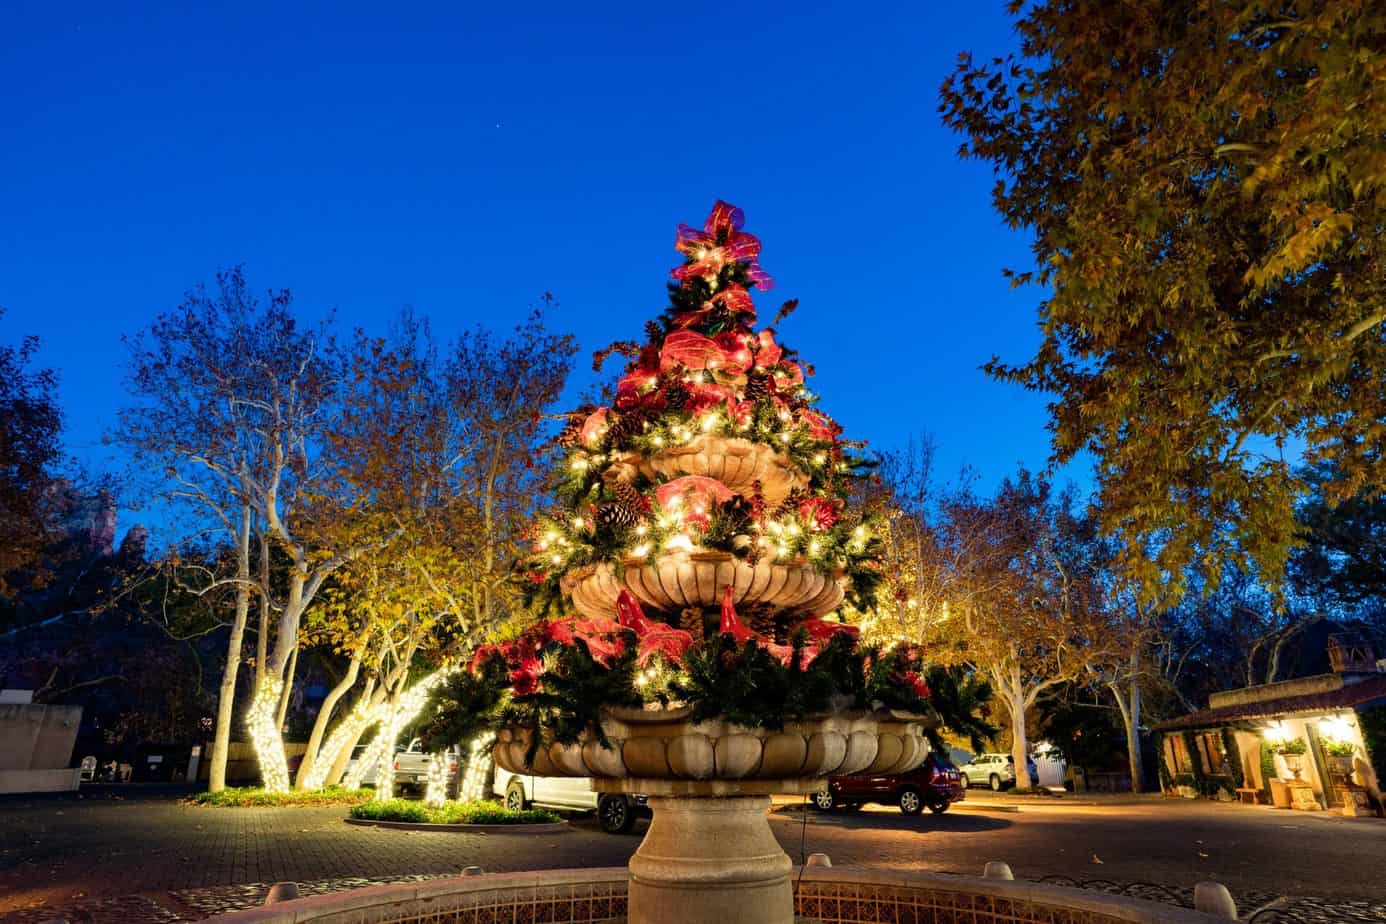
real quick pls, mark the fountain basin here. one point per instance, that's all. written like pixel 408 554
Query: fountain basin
pixel 835 895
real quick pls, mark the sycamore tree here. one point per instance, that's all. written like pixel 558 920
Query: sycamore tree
pixel 1204 185
pixel 445 448
pixel 1024 600
pixel 232 402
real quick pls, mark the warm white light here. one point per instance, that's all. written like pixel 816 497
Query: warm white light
pixel 1339 728
pixel 641 550
pixel 437 792
pixel 641 529
pixel 680 543
pixel 478 768
pixel 262 722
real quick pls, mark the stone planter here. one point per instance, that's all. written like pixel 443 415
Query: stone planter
pixel 709 854
pixel 679 579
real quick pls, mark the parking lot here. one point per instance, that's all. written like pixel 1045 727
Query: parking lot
pixel 138 855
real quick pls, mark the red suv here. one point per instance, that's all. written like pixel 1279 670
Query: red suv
pixel 934 784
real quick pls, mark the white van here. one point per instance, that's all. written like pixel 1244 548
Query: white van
pixel 616 812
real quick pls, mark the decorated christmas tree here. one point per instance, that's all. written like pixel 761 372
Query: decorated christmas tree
pixel 701 549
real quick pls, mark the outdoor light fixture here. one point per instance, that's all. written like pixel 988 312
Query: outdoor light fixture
pixel 1338 727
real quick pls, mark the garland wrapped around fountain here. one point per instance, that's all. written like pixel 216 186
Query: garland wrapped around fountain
pixel 702 533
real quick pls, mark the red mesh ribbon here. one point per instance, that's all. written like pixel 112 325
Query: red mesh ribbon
pixel 654 637
pixel 695 495
pixel 720 242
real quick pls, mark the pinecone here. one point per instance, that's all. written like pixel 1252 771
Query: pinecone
pixel 676 396
pixel 617 515
pixel 693 622
pixel 626 425
pixel 757 386
pixel 626 493
pixel 654 330
pixel 569 436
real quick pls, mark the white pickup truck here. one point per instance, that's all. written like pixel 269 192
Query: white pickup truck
pixel 411 765
pixel 616 812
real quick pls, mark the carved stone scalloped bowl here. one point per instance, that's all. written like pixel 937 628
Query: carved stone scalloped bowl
pixel 676 580
pixel 737 463
pixel 662 752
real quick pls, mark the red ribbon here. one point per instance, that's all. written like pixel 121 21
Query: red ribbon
pixel 720 242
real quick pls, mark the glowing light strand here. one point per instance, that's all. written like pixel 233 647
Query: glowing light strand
pixel 262 723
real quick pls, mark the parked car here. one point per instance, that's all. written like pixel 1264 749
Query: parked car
pixel 935 784
pixel 616 812
pixel 411 764
pixel 996 771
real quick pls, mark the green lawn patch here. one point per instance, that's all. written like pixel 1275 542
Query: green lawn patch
pixel 235 797
pixel 476 812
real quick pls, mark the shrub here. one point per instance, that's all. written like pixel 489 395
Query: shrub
pixel 237 797
pixel 1335 748
pixel 1290 746
pixel 477 812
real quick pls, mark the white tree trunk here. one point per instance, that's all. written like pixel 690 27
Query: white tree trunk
pixel 226 699
pixel 1020 744
pixel 329 703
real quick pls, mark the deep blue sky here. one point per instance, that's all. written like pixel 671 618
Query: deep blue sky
pixel 466 158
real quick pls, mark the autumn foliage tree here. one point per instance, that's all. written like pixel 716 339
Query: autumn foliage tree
pixel 30 427
pixel 1204 183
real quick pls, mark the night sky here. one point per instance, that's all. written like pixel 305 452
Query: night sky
pixel 466 159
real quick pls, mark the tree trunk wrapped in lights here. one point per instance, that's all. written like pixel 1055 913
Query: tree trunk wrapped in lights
pixel 709 495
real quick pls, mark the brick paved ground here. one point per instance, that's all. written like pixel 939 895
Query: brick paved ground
pixel 143 857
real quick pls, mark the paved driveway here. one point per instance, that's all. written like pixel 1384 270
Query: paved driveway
pixel 166 862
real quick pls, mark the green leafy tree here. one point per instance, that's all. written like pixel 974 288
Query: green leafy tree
pixel 1204 183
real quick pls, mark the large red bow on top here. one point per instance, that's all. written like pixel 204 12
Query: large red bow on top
pixel 654 637
pixel 720 242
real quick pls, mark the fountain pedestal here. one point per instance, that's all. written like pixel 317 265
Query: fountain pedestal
pixel 709 856
pixel 709 859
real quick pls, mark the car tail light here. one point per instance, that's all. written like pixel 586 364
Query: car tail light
pixel 396 763
pixel 452 767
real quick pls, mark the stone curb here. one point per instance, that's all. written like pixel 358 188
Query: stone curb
pixel 545 827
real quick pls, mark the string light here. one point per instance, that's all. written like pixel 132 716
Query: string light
pixel 437 792
pixel 478 768
pixel 349 730
pixel 262 722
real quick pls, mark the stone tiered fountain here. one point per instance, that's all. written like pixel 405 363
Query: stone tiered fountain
pixel 709 854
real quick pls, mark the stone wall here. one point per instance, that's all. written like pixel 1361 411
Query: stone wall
pixel 36 747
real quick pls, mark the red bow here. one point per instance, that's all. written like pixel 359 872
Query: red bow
pixel 524 679
pixel 602 638
pixel 820 427
pixel 820 630
pixel 720 242
pixel 654 637
pixel 732 625
pixel 695 494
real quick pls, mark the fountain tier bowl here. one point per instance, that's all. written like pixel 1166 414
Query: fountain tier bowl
pixel 677 580
pixel 663 752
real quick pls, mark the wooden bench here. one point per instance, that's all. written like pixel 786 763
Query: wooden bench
pixel 1249 795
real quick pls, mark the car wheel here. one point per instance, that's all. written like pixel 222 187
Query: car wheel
pixel 911 802
pixel 938 808
pixel 823 800
pixel 515 796
pixel 995 783
pixel 614 813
